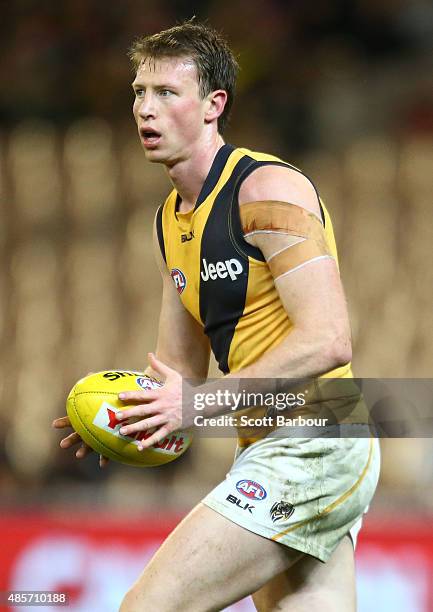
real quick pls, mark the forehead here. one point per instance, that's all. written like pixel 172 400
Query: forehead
pixel 166 69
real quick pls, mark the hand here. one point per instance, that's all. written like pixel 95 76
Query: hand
pixel 74 438
pixel 162 407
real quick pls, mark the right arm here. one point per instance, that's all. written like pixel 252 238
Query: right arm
pixel 181 344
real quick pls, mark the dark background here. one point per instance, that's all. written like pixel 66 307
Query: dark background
pixel 340 89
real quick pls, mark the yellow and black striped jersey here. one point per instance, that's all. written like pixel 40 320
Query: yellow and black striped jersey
pixel 224 282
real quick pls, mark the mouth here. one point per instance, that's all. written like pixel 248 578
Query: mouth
pixel 149 137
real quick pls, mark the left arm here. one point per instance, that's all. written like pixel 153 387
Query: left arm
pixel 311 293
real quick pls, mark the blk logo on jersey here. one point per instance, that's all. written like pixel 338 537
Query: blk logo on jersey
pixel 179 279
pixel 237 502
pixel 221 269
pixel 187 237
pixel 251 489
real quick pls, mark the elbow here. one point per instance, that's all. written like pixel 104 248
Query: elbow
pixel 339 350
pixel 342 355
pixel 333 348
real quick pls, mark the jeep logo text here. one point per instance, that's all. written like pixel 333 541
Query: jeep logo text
pixel 221 269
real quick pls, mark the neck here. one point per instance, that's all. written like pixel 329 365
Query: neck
pixel 189 174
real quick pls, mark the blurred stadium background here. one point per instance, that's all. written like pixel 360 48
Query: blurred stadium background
pixel 340 89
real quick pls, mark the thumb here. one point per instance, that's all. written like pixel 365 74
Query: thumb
pixel 159 367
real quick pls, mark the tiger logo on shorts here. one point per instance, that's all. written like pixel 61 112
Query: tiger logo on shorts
pixel 281 510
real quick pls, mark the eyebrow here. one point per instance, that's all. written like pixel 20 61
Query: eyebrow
pixel 138 85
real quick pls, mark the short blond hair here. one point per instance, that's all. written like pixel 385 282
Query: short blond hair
pixel 216 65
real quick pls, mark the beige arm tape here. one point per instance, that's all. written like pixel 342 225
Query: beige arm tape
pixel 284 218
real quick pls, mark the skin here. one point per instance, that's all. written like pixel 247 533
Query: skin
pixel 312 297
pixel 167 100
pixel 194 570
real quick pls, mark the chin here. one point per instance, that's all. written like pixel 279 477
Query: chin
pixel 153 155
pixel 158 156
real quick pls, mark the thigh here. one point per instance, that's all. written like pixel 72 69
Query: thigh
pixel 207 563
pixel 312 585
pixel 305 493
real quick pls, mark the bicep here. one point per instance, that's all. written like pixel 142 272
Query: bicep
pixel 281 216
pixel 181 342
pixel 313 297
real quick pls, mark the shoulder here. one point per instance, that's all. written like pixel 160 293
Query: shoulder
pixel 280 183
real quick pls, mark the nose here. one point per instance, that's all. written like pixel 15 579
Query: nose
pixel 146 108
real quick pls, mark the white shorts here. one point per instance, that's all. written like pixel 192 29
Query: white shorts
pixel 306 493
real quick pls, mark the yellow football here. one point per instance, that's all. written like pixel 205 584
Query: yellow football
pixel 92 406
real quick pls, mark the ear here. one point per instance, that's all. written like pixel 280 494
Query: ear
pixel 215 104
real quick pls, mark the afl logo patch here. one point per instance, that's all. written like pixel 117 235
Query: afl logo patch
pixel 251 489
pixel 179 279
pixel 147 383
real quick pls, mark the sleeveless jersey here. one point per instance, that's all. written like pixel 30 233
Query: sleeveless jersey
pixel 224 282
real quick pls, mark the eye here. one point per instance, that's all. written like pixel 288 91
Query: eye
pixel 139 93
pixel 165 93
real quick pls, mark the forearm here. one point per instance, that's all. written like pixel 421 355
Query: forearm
pixel 192 367
pixel 299 356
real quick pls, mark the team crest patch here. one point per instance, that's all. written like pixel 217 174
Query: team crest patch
pixel 179 279
pixel 281 510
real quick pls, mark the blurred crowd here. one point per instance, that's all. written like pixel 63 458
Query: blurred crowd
pixel 308 68
pixel 340 89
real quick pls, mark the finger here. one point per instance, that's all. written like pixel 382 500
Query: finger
pixel 137 411
pixel 61 422
pixel 83 451
pixel 127 430
pixel 156 437
pixel 155 421
pixel 159 367
pixel 103 461
pixel 139 396
pixel 70 440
